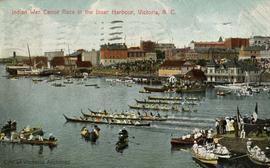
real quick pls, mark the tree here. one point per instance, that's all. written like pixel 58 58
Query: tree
pixel 160 54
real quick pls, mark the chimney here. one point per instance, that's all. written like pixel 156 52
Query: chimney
pixel 14 54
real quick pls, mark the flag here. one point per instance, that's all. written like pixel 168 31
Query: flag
pixel 256 108
pixel 239 117
pixel 255 114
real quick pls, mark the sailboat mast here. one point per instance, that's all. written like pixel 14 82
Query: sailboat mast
pixel 29 55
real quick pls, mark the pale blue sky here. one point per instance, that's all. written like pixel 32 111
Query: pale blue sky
pixel 198 20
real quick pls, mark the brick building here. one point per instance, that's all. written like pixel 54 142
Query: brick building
pixel 113 53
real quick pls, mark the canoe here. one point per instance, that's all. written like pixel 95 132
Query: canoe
pixel 157 102
pixel 113 116
pixel 164 98
pixel 45 142
pixel 145 107
pixel 86 120
pixel 152 89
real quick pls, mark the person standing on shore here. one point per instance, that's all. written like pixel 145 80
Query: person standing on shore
pixel 217 126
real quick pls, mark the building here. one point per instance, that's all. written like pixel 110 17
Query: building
pixel 37 62
pixel 231 72
pixel 147 46
pixel 80 58
pixel 193 45
pixel 229 43
pixel 113 53
pixel 52 54
pixel 234 43
pixel 195 75
pixel 89 56
pixel 135 54
pixel 167 48
pixel 63 63
pixel 251 52
pixel 175 67
pixel 260 41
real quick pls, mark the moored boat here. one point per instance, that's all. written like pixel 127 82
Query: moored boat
pixel 144 91
pixel 200 154
pixel 188 140
pixel 153 89
pixel 256 155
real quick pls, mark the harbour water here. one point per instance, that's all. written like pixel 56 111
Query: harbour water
pixel 42 105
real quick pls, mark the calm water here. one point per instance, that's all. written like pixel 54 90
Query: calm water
pixel 41 105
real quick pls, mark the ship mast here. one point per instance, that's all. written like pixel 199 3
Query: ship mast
pixel 29 55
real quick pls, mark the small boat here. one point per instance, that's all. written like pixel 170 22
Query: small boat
pixel 96 85
pixel 152 89
pixel 221 93
pixel 256 155
pixel 192 98
pixel 90 136
pixel 201 155
pixel 187 109
pixel 106 121
pixel 37 80
pixel 122 142
pixel 68 82
pixel 58 85
pixel 188 140
pixel 144 91
pixel 45 142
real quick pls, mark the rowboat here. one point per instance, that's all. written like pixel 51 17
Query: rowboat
pixel 164 98
pixel 144 91
pixel 201 155
pixel 152 89
pixel 256 155
pixel 90 136
pixel 187 109
pixel 106 121
pixel 91 85
pixel 45 142
pixel 122 142
pixel 124 117
pixel 158 108
pixel 188 140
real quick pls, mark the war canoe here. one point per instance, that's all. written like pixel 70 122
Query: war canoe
pixel 109 116
pixel 86 120
pixel 157 102
pixel 164 98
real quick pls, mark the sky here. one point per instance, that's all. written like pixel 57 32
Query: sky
pixel 184 21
